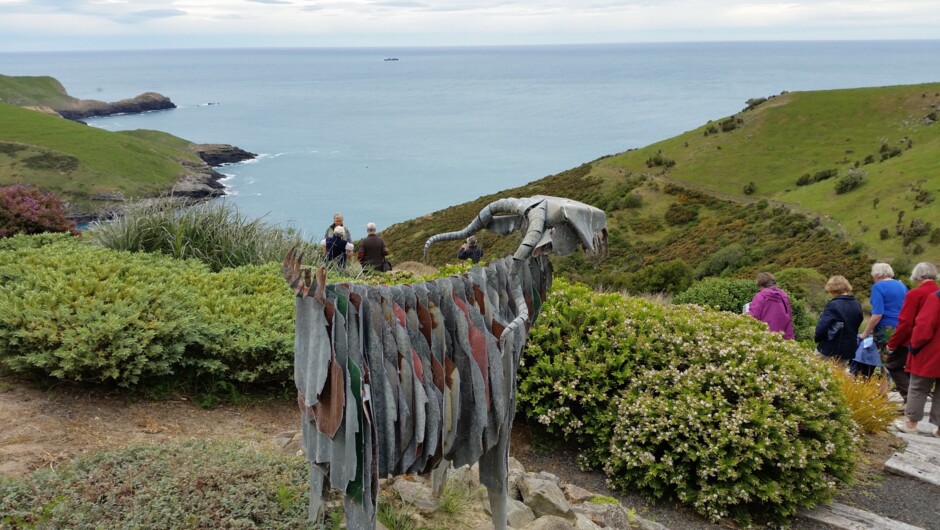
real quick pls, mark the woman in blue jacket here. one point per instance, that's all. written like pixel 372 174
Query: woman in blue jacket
pixel 837 329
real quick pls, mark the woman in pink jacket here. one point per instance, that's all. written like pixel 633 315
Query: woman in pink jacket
pixel 772 305
pixel 924 363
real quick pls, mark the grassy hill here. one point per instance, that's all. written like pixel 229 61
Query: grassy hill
pixel 42 91
pixel 684 198
pixel 81 162
pixel 889 136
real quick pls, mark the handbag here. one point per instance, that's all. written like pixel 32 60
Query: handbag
pixel 386 266
pixel 835 329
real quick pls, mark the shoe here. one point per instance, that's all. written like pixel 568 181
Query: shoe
pixel 901 425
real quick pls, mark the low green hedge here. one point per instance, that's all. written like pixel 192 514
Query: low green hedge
pixel 682 402
pixel 79 312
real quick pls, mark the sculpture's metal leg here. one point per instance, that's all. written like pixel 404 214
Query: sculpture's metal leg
pixel 438 477
pixel 316 493
pixel 499 504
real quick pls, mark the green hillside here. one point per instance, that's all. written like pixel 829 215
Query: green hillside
pixel 889 136
pixel 684 198
pixel 34 91
pixel 81 162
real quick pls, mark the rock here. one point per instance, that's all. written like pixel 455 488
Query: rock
pixel 87 108
pixel 415 492
pixel 545 497
pixel 465 477
pixel 220 154
pixel 549 522
pixel 519 514
pixel 604 515
pixel 583 523
pixel 577 494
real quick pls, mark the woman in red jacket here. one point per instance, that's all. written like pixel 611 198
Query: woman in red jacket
pixel 924 363
pixel 924 276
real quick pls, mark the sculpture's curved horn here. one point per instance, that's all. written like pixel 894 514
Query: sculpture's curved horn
pixel 482 220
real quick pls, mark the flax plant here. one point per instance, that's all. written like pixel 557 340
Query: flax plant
pixel 215 233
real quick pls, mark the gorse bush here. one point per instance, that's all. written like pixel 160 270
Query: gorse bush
pixel 214 233
pixel 680 402
pixel 26 210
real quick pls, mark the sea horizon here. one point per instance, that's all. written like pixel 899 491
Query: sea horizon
pixel 338 129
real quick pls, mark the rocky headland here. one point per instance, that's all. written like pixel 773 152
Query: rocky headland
pixel 80 109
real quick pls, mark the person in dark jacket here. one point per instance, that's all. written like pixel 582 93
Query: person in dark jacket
pixel 372 250
pixel 837 328
pixel 470 250
pixel 337 248
pixel 772 305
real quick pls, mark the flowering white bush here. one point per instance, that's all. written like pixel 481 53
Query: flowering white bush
pixel 707 407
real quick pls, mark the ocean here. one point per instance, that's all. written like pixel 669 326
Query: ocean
pixel 384 141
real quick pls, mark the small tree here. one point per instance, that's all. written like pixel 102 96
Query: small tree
pixel 27 210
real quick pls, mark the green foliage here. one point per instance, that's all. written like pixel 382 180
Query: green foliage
pixel 214 233
pixel 849 182
pixel 685 403
pixel 673 276
pixel 78 312
pixel 196 484
pixel 247 317
pixel 724 294
pixel 679 214
pixel 753 102
pixel 819 176
pixel 725 260
pixel 660 160
pixel 749 188
pixel 804 284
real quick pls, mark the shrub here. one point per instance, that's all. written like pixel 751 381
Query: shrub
pixel 196 484
pixel 215 233
pixel 678 214
pixel 753 102
pixel 884 234
pixel 672 277
pixel 248 325
pixel 660 160
pixel 804 284
pixel 935 236
pixel 724 294
pixel 680 402
pixel 77 312
pixel 749 188
pixel 849 182
pixel 728 258
pixel 26 210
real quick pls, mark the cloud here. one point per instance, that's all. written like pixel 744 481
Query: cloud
pixel 23 23
pixel 135 17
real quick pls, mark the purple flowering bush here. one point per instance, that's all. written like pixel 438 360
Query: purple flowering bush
pixel 27 210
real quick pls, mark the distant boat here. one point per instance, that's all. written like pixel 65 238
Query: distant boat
pixel 391 58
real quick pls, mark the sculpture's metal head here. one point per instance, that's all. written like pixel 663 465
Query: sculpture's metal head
pixel 550 224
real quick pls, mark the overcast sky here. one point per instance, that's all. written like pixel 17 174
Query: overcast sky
pixel 27 25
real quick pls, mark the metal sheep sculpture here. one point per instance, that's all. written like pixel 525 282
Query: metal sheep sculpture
pixel 395 379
